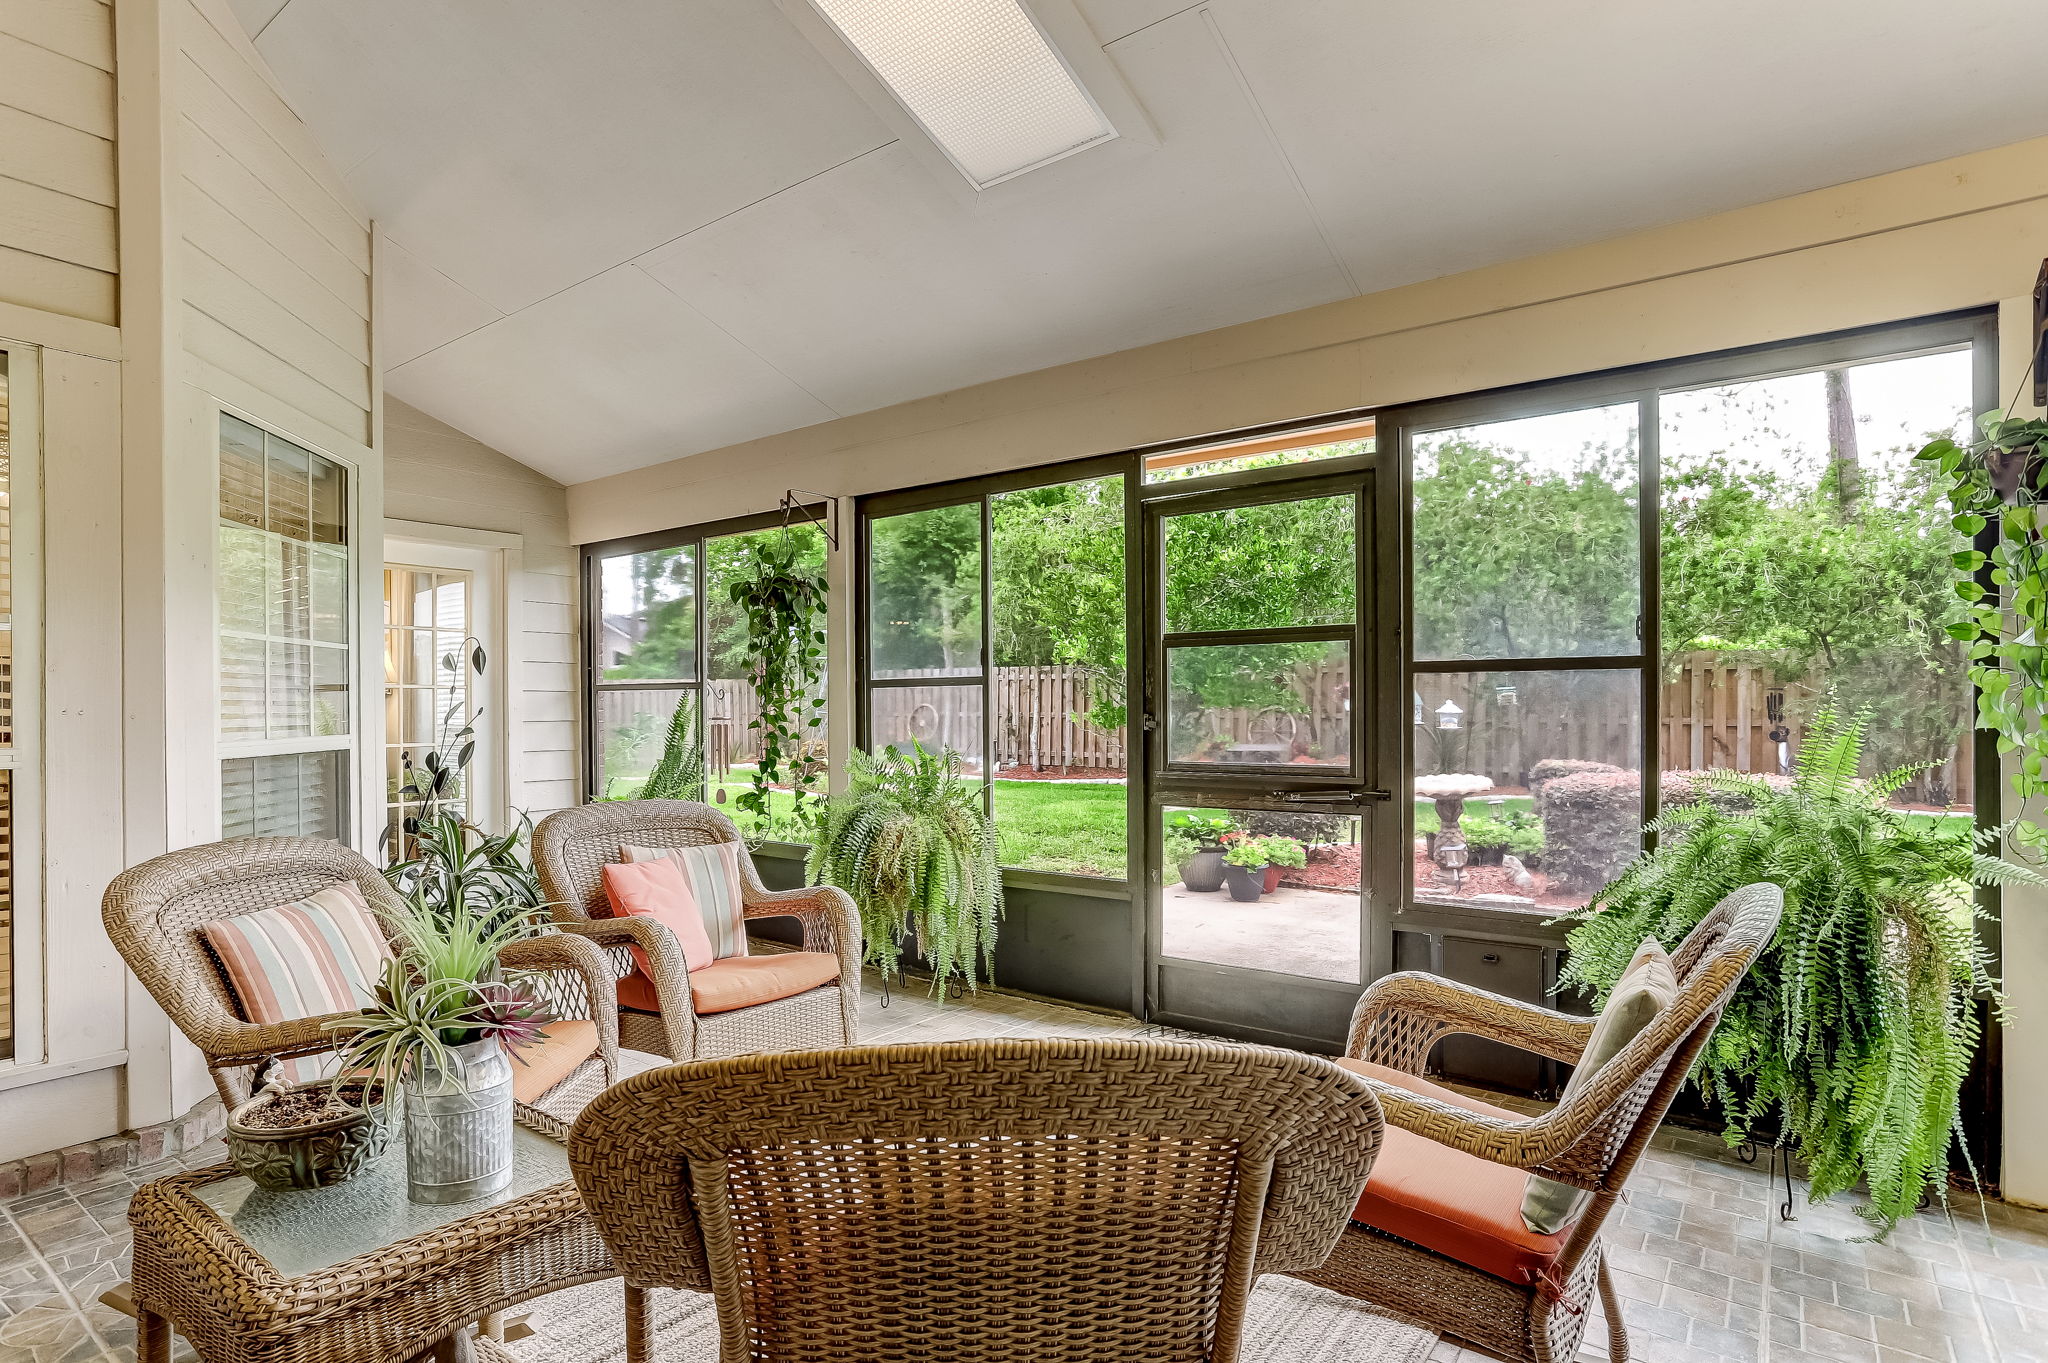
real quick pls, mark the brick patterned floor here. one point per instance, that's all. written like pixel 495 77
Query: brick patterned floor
pixel 1709 1273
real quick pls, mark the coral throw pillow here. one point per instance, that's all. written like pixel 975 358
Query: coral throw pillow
pixel 656 889
pixel 321 955
pixel 712 871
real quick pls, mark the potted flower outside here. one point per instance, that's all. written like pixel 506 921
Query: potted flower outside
pixel 1203 872
pixel 307 1135
pixel 443 1027
pixel 1244 870
pixel 1282 854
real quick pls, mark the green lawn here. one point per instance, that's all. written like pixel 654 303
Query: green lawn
pixel 1076 827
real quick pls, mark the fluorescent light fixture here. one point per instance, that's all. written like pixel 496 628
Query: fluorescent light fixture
pixel 977 75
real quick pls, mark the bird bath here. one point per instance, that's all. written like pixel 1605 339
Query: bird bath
pixel 1450 790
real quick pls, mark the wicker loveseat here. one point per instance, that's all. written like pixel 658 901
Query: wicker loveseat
pixel 571 850
pixel 1438 1235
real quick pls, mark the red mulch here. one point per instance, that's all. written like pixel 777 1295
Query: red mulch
pixel 1336 868
pixel 1059 773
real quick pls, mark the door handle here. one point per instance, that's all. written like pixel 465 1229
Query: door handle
pixel 1329 797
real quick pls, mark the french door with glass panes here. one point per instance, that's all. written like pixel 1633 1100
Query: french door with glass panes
pixel 1260 610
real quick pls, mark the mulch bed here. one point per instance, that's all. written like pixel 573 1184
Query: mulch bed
pixel 1337 868
pixel 1059 773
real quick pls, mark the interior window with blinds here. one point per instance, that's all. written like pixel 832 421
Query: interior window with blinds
pixel 285 656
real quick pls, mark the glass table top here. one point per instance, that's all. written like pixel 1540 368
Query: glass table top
pixel 303 1230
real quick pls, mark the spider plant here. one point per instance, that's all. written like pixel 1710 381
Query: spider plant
pixel 455 863
pixel 442 990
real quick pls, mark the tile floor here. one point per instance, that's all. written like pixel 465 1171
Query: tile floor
pixel 1708 1270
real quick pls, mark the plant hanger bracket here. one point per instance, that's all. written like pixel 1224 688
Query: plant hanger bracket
pixel 822 510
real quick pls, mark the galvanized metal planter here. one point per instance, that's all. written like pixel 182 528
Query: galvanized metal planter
pixel 458 1125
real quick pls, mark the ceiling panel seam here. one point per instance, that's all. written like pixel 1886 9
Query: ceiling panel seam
pixel 634 260
pixel 1199 4
pixel 714 325
pixel 1279 149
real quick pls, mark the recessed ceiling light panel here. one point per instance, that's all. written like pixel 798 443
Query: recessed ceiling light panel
pixel 977 75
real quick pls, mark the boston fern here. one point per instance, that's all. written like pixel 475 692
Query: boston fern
pixel 679 775
pixel 908 839
pixel 1856 1027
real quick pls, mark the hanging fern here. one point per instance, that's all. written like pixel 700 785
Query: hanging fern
pixel 1856 1027
pixel 909 840
pixel 679 775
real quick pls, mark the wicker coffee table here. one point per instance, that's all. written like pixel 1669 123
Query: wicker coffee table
pixel 355 1273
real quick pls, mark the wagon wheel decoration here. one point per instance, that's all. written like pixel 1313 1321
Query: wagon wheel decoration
pixel 1274 726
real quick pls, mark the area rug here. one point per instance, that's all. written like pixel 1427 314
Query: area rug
pixel 1288 1322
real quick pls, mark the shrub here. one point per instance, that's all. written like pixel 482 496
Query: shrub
pixel 1677 788
pixel 1313 829
pixel 1552 768
pixel 1592 823
pixel 1513 832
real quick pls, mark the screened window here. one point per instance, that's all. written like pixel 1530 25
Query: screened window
pixel 285 565
pixel 996 630
pixel 1565 688
pixel 673 671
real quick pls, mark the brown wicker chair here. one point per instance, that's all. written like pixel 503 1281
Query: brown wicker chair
pixel 153 913
pixel 1592 1141
pixel 571 849
pixel 977 1201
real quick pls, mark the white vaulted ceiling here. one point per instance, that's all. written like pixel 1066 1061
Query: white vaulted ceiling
pixel 624 232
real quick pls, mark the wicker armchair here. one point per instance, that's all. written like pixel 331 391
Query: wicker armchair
pixel 1590 1141
pixel 153 913
pixel 571 849
pixel 978 1201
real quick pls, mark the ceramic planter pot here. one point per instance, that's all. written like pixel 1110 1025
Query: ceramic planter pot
pixel 458 1125
pixel 1245 883
pixel 316 1155
pixel 1272 881
pixel 1203 872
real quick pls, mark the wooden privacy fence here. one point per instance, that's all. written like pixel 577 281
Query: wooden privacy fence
pixel 1713 714
pixel 1037 713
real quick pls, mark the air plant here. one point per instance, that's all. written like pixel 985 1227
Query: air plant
pixel 441 991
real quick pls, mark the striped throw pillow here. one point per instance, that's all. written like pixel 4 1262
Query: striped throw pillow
pixel 321 955
pixel 712 871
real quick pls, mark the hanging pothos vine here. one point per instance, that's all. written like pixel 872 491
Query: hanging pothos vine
pixel 2000 481
pixel 784 605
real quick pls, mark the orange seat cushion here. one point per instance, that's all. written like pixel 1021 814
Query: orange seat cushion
pixel 740 981
pixel 1463 1207
pixel 563 1045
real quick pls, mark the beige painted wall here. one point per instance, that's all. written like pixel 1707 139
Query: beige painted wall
pixel 244 284
pixel 434 473
pixel 1960 233
pixel 58 235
